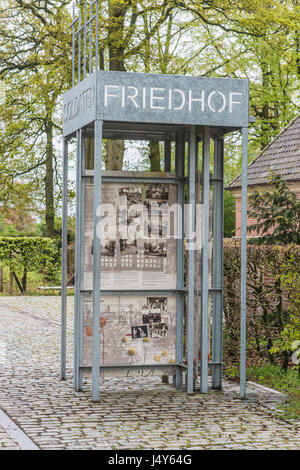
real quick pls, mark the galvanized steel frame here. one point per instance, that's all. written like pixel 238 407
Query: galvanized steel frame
pixel 182 135
pixel 243 315
pixel 217 265
pixel 181 291
pixel 191 258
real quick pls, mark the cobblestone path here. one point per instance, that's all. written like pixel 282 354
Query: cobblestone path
pixel 6 442
pixel 132 414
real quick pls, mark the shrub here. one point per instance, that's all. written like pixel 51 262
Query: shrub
pixel 273 301
pixel 278 211
pixel 24 254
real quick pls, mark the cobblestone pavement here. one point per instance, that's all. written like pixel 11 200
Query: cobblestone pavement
pixel 6 442
pixel 133 414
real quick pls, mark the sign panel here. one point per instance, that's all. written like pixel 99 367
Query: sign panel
pixel 79 105
pixel 156 99
pixel 171 99
pixel 134 330
pixel 138 244
pixel 138 251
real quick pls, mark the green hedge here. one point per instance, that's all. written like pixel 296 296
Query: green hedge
pixel 25 254
pixel 273 301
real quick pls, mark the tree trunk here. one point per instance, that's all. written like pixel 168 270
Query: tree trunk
pixel 24 280
pixel 286 360
pixel 1 279
pixel 297 41
pixel 11 282
pixel 114 155
pixel 117 10
pixel 89 153
pixel 154 156
pixel 270 355
pixel 49 181
pixel 18 282
pixel 265 112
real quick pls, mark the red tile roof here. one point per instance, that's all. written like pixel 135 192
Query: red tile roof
pixel 282 156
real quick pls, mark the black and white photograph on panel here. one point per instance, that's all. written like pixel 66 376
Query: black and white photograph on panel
pixel 158 191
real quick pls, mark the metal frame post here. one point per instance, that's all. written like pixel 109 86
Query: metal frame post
pixel 191 260
pixel 97 36
pixel 81 260
pixel 243 265
pixel 205 264
pixel 79 47
pixel 180 158
pixel 197 264
pixel 84 38
pixel 77 260
pixel 167 160
pixel 97 261
pixel 167 168
pixel 64 261
pixel 73 44
pixel 218 235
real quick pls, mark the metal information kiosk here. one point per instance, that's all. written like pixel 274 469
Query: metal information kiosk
pixel 179 295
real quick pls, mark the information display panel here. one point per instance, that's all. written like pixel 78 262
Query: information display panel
pixel 138 233
pixel 138 252
pixel 135 330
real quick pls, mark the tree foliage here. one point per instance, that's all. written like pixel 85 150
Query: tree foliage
pixel 35 65
pixel 277 211
pixel 24 254
pixel 258 40
pixel 229 215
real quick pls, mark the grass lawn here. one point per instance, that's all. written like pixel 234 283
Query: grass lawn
pixel 287 382
pixel 34 280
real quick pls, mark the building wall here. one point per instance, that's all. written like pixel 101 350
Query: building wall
pixel 250 221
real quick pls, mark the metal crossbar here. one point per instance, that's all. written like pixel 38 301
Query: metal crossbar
pixel 84 26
